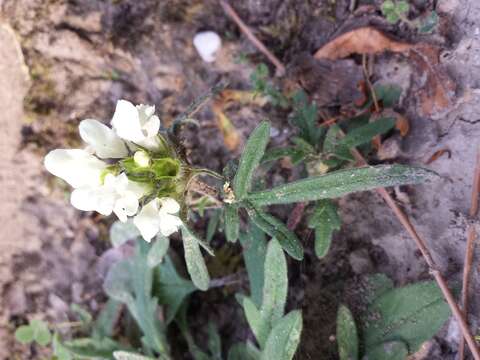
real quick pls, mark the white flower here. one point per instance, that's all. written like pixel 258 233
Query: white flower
pixel 103 140
pixel 137 124
pixel 117 194
pixel 207 44
pixel 159 215
pixel 141 158
pixel 77 167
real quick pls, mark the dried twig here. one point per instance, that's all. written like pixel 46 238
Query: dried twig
pixel 366 74
pixel 471 236
pixel 232 14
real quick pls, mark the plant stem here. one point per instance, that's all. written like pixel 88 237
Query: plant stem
pixel 471 237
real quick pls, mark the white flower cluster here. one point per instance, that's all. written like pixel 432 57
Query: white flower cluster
pixel 97 188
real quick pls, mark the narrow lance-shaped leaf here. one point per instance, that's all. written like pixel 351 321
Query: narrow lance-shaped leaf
pixel 347 337
pixel 340 183
pixel 275 284
pixel 193 257
pixel 324 220
pixel 365 133
pixel 277 229
pixel 231 222
pixel 284 338
pixel 251 156
pixel 391 350
pixel 254 251
pixel 158 250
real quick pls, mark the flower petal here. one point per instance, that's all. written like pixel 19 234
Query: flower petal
pixel 77 167
pixel 169 224
pixel 148 221
pixel 102 139
pixel 93 199
pixel 169 206
pixel 126 206
pixel 126 122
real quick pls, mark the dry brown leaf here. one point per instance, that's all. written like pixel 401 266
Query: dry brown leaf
pixel 437 154
pixel 365 40
pixel 228 97
pixel 402 125
pixel 436 91
pixel 231 138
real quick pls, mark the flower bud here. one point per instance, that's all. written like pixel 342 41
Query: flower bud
pixel 141 158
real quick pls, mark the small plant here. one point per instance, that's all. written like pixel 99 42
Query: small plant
pixel 138 171
pixel 395 11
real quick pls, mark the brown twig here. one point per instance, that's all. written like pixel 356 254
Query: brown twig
pixel 471 236
pixel 366 74
pixel 232 14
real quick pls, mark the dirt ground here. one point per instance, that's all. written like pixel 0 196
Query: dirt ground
pixel 62 61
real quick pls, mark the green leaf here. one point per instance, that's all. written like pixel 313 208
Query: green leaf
pixel 388 94
pixel 214 342
pixel 365 133
pixel 87 348
pixel 122 232
pixel 275 288
pixel 429 23
pixel 387 6
pixel 231 222
pixel 125 355
pixel 182 323
pixel 324 220
pixel 193 257
pixel 275 285
pixel 411 314
pixel 106 320
pixel 41 333
pixel 277 153
pixel 305 117
pixel 332 137
pixel 171 289
pixel 402 7
pixel 130 282
pixel 284 338
pixel 277 229
pixel 250 159
pixel 84 316
pixel 246 351
pixel 347 337
pixel 213 224
pixel 254 246
pixel 340 183
pixel 158 250
pixel 254 319
pixel 60 352
pixel 392 350
pixel 392 17
pixel 24 334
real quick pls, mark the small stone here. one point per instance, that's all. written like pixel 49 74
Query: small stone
pixel 207 44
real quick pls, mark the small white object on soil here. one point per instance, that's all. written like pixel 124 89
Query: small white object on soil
pixel 207 44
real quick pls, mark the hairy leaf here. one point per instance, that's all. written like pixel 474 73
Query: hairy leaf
pixel 254 246
pixel 171 289
pixel 193 257
pixel 242 351
pixel 277 229
pixel 213 224
pixel 125 355
pixel 250 159
pixel 324 220
pixel 347 338
pixel 284 338
pixel 231 222
pixel 121 232
pixel 214 342
pixel 411 314
pixel 365 133
pixel 105 323
pixel 392 350
pixel 340 183
pixel 158 250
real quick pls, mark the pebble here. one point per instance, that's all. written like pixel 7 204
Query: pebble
pixel 207 44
